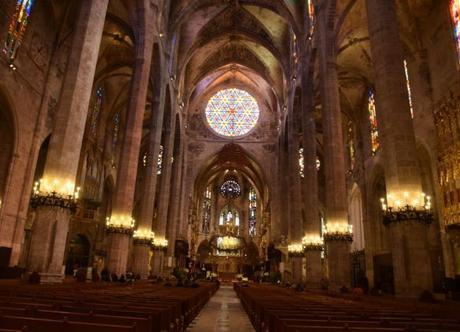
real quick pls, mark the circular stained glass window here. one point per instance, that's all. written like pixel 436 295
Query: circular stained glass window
pixel 230 189
pixel 232 112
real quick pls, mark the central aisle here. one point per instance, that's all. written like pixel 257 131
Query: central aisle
pixel 223 312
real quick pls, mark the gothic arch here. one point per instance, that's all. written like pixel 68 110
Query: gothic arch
pixel 8 141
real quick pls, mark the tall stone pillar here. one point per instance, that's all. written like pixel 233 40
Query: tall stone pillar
pixel 175 197
pixel 412 272
pixel 119 225
pixel 165 190
pixel 312 224
pixel 337 233
pixel 57 187
pixel 142 242
pixel 295 248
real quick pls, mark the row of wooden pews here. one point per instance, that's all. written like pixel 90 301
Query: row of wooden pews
pixel 276 309
pixel 101 307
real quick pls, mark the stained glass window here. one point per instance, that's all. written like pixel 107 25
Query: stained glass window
pixel 17 28
pixel 229 216
pixel 351 145
pixel 311 15
pixel 96 109
pixel 455 15
pixel 301 163
pixel 252 212
pixel 230 189
pixel 160 160
pixel 206 210
pixel 116 131
pixel 232 112
pixel 373 120
pixel 145 159
pixel 409 90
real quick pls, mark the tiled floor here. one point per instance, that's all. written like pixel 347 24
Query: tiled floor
pixel 222 313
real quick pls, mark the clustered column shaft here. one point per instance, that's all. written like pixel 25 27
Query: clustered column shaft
pixel 51 225
pixel 402 173
pixel 123 198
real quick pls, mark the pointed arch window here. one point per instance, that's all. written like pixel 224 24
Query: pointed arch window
pixel 229 216
pixel 301 163
pixel 351 145
pixel 16 29
pixel 115 132
pixel 207 203
pixel 311 15
pixel 373 121
pixel 160 161
pixel 252 212
pixel 409 90
pixel 96 109
pixel 455 17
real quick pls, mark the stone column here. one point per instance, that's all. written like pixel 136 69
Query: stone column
pixel 51 225
pixel 312 222
pixel 334 157
pixel 141 248
pixel 295 214
pixel 402 173
pixel 175 196
pixel 165 189
pixel 119 223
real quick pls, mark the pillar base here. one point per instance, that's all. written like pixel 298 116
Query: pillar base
pixel 141 256
pixel 338 261
pixel 411 259
pixel 314 269
pixel 158 262
pixel 117 253
pixel 296 269
pixel 48 241
pixel 51 278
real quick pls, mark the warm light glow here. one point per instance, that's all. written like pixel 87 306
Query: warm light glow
pixel 144 234
pixel 295 248
pixel 403 199
pixel 58 186
pixel 125 221
pixel 309 240
pixel 338 228
pixel 160 242
pixel 228 243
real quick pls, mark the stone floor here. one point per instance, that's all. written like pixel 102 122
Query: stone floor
pixel 222 313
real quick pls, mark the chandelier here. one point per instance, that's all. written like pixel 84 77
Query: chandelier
pixel 230 189
pixel 405 207
pixel 296 250
pixel 338 231
pixel 143 237
pixel 55 193
pixel 228 243
pixel 159 243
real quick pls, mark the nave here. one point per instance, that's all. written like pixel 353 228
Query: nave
pixel 164 306
pixel 223 312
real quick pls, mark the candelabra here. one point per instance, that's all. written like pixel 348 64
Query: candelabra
pixel 334 231
pixel 415 207
pixel 143 237
pixel 55 194
pixel 159 243
pixel 295 250
pixel 121 224
pixel 228 243
pixel 312 243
